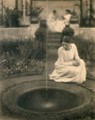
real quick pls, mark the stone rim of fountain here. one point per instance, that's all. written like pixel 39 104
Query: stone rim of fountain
pixel 10 96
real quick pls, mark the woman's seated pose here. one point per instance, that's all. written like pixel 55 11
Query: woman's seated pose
pixel 61 23
pixel 67 16
pixel 51 20
pixel 69 67
pixel 57 25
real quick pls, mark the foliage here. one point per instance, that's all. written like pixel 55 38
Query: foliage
pixel 1 19
pixel 88 22
pixel 35 10
pixel 11 17
pixel 86 48
pixel 20 57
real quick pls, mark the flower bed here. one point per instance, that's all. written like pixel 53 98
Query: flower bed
pixel 20 58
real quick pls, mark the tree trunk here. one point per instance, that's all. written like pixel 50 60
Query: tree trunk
pixel 16 4
pixel 91 9
pixel 81 11
pixel 2 12
pixel 30 4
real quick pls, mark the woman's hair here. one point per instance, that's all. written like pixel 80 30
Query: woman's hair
pixel 68 11
pixel 66 39
pixel 54 11
pixel 67 31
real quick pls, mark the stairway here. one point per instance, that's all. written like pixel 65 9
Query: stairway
pixel 53 40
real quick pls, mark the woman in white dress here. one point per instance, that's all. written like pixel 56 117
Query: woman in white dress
pixel 67 16
pixel 51 20
pixel 61 23
pixel 69 67
pixel 57 25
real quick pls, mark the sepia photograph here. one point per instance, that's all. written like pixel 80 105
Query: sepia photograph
pixel 47 59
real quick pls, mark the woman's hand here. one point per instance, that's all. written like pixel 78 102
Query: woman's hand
pixel 76 62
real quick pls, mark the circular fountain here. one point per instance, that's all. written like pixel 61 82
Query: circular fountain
pixel 57 101
pixel 52 100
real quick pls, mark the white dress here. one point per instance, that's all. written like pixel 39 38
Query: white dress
pixel 60 24
pixel 51 21
pixel 64 70
pixel 67 18
pixel 57 25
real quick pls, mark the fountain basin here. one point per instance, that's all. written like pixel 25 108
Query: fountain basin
pixel 51 100
pixel 33 101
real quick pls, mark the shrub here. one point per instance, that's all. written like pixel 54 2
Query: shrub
pixel 86 48
pixel 11 17
pixel 20 56
pixel 35 12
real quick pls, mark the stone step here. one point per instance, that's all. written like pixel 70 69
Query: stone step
pixel 53 45
pixel 53 37
pixel 53 33
pixel 53 40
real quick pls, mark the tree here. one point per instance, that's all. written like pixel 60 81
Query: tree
pixel 81 11
pixel 1 12
pixel 16 4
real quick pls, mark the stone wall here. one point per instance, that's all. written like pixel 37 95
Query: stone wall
pixel 13 33
pixel 18 33
pixel 25 33
pixel 87 33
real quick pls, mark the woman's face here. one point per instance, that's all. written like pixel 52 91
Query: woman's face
pixel 66 45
